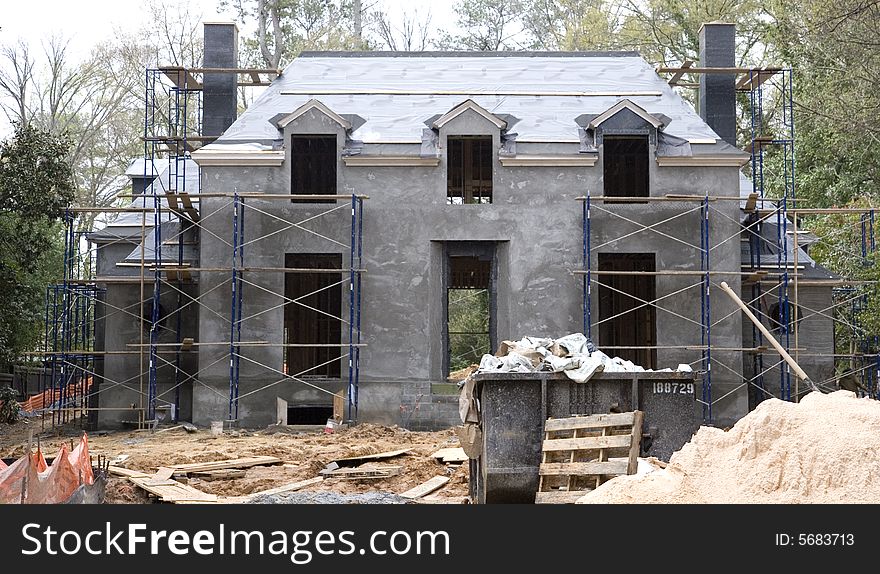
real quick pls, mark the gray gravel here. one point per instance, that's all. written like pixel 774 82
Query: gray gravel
pixel 330 498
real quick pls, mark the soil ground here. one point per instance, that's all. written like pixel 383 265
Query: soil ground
pixel 303 455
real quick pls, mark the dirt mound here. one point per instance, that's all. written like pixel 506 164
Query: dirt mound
pixel 825 449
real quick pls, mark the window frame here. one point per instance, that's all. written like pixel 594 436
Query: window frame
pixel 296 189
pixel 625 164
pixel 464 194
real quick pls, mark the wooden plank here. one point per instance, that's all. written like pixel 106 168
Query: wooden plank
pixel 588 443
pixel 338 407
pixel 223 474
pixel 232 463
pixel 172 491
pixel 636 442
pixel 161 476
pixel 451 454
pixel 280 411
pixel 677 75
pixel 613 467
pixel 751 202
pixel 591 421
pixel 378 455
pixel 119 471
pixel 384 471
pixel 426 487
pixel 559 496
pixel 434 499
pixel 281 489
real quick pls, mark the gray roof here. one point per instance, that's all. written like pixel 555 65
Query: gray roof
pixel 396 92
pixel 128 225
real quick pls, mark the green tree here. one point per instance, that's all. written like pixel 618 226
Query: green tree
pixel 36 184
pixel 573 24
pixel 287 27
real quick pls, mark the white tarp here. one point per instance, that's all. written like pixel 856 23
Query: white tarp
pixel 573 355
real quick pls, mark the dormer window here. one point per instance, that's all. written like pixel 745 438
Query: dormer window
pixel 313 166
pixel 625 161
pixel 469 170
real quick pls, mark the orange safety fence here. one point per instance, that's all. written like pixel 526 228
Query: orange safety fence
pixel 46 398
pixel 41 483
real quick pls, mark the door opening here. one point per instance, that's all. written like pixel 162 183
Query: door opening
pixel 313 317
pixel 628 318
pixel 469 304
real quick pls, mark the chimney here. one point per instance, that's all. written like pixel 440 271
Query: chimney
pixel 717 95
pixel 219 95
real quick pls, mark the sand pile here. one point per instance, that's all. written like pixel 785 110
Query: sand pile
pixel 825 449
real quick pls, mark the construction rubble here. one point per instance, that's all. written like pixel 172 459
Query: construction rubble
pixel 362 464
pixel 824 449
pixel 574 355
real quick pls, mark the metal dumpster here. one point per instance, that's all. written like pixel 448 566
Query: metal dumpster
pixel 514 407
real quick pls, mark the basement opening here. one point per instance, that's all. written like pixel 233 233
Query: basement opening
pixel 313 167
pixel 625 166
pixel 626 320
pixel 309 414
pixel 312 324
pixel 469 170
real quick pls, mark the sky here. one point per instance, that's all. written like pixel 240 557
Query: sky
pixel 87 22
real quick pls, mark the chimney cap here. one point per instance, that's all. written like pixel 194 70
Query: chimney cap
pixel 221 23
pixel 714 23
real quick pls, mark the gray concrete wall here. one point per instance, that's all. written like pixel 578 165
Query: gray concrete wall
pixel 534 214
pixel 126 370
pixel 811 346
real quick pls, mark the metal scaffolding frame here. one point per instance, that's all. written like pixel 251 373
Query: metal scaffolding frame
pixel 171 126
pixel 775 281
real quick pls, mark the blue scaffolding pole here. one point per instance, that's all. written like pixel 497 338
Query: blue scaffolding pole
pixel 236 303
pixel 706 312
pixel 588 267
pixel 359 267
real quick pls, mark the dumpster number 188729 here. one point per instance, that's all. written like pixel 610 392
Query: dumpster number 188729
pixel 673 388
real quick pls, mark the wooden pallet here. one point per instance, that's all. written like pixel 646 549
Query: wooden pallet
pixel 582 452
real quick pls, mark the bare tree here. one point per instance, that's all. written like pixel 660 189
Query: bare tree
pixel 98 102
pixel 16 77
pixel 412 33
pixel 487 25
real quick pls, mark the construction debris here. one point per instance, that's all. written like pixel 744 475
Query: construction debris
pixel 274 491
pixel 451 455
pixel 426 487
pixel 221 474
pixel 379 455
pixel 224 464
pixel 824 449
pixel 172 491
pixel 301 457
pixel 370 470
pixel 574 355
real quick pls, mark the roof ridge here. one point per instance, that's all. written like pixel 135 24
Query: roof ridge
pixel 465 54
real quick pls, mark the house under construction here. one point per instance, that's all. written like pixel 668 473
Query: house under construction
pixel 375 221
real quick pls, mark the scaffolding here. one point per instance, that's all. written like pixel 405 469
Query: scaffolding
pixel 779 279
pixel 69 337
pixel 168 214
